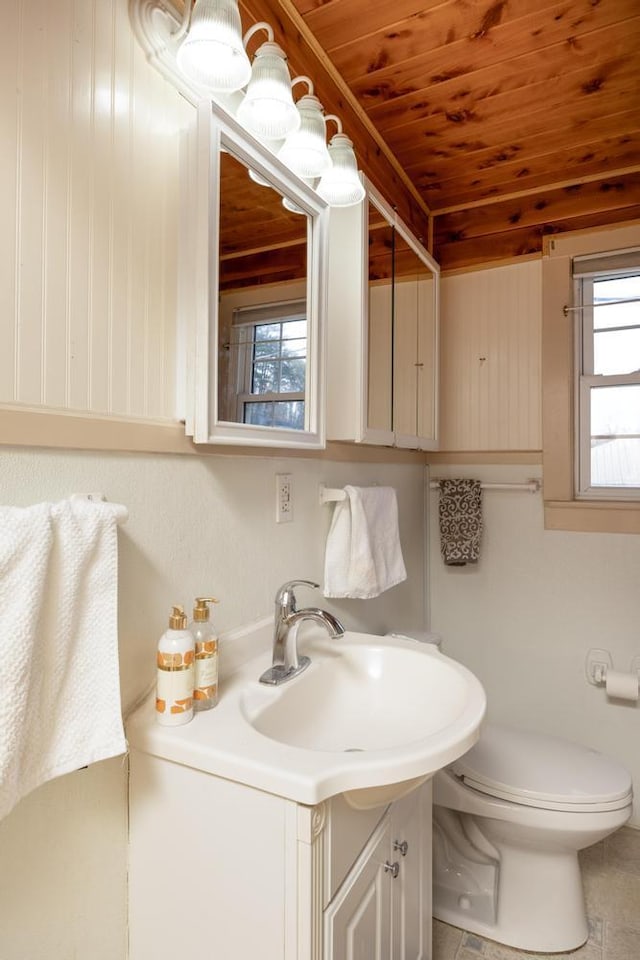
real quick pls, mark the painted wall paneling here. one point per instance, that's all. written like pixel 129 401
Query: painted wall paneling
pixel 490 359
pixel 89 184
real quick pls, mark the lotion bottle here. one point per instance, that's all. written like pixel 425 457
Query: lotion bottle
pixel 175 673
pixel 205 694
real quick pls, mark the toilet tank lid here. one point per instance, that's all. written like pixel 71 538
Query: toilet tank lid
pixel 534 766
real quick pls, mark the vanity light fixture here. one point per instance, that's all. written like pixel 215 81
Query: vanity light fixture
pixel 268 110
pixel 340 184
pixel 201 51
pixel 305 150
pixel 212 53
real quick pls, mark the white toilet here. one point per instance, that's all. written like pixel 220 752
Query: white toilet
pixel 509 819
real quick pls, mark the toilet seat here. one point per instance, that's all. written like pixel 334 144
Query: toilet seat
pixel 543 771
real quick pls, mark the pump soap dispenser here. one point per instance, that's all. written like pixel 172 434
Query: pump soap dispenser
pixel 175 674
pixel 205 694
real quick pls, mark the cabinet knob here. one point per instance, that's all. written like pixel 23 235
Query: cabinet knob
pixel 402 847
pixel 392 868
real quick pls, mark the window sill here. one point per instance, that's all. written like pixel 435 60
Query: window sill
pixel 603 516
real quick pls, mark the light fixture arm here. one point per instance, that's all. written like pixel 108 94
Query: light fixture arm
pixel 262 25
pixel 186 20
pixel 336 120
pixel 303 79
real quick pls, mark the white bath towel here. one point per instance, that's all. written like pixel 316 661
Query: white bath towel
pixel 59 678
pixel 363 556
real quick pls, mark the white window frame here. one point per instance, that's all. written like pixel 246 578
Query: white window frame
pixel 245 321
pixel 585 271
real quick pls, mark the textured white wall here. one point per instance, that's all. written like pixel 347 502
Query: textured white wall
pixel 196 525
pixel 525 616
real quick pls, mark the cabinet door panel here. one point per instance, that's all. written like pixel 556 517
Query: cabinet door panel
pixel 411 903
pixel 427 361
pixel 358 922
pixel 380 356
pixel 405 382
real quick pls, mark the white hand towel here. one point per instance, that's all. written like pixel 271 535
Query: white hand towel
pixel 59 678
pixel 363 555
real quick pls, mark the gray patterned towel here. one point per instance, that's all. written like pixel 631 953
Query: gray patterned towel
pixel 460 512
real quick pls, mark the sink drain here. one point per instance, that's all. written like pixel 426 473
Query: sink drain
pixel 353 750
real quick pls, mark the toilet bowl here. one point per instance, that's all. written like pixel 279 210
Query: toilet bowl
pixel 509 819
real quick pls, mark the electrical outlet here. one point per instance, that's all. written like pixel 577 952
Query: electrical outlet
pixel 284 498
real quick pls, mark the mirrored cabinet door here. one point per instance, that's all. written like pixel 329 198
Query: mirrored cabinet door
pixel 382 322
pixel 257 238
pixel 380 293
pixel 415 377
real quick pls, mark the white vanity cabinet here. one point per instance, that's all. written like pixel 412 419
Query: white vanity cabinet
pixel 383 907
pixel 382 323
pixel 222 870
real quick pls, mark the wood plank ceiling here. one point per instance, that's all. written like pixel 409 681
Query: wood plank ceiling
pixel 489 123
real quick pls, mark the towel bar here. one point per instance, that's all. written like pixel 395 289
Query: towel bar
pixel 121 513
pixel 330 495
pixel 530 486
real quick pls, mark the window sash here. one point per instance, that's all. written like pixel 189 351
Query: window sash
pixel 245 324
pixel 587 381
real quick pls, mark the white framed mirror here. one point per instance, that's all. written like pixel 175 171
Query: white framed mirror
pixel 256 253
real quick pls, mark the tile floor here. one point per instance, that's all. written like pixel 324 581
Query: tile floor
pixel 611 874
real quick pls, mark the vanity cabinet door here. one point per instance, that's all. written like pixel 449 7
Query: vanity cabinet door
pixel 358 921
pixel 410 838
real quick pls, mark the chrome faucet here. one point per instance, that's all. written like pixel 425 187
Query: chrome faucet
pixel 286 663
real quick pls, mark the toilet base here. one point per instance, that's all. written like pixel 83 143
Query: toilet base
pixel 540 901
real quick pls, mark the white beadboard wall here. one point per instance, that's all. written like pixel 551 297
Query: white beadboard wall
pixel 89 200
pixel 490 328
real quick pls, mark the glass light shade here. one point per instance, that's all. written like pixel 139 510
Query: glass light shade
pixel 292 206
pixel 340 185
pixel 268 110
pixel 212 53
pixel 305 150
pixel 273 146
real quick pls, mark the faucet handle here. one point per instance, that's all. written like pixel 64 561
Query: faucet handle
pixel 285 597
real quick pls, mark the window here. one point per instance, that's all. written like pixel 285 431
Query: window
pixel 271 365
pixel 565 262
pixel 607 309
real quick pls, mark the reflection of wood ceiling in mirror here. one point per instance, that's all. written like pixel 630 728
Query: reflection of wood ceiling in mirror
pixel 261 241
pixel 492 123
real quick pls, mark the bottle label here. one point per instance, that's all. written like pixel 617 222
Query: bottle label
pixel 175 661
pixel 174 689
pixel 206 682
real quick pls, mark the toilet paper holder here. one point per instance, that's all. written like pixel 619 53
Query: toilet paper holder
pixel 599 662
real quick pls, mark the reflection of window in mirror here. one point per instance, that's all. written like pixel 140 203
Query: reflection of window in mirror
pixel 268 355
pixel 262 318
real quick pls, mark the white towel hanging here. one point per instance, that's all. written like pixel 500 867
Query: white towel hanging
pixel 59 678
pixel 363 555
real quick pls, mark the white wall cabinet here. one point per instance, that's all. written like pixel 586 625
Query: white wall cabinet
pixel 382 330
pixel 218 869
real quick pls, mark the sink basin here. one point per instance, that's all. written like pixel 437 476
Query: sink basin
pixel 362 694
pixel 370 718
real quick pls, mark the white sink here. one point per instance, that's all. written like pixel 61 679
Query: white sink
pixel 371 717
pixel 362 693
